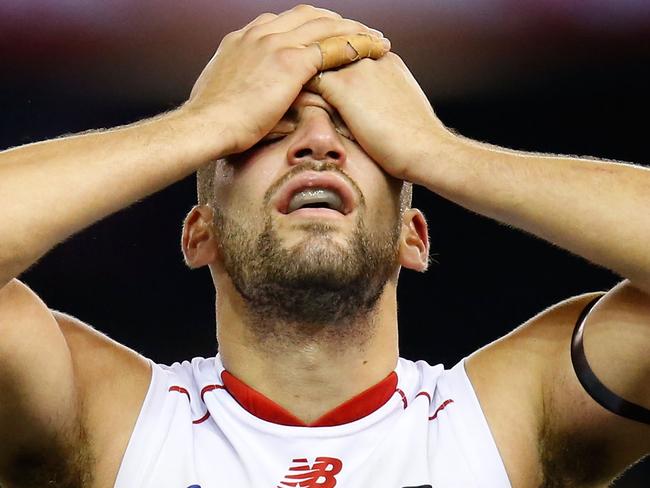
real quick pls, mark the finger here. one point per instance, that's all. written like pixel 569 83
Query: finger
pixel 322 28
pixel 293 18
pixel 341 50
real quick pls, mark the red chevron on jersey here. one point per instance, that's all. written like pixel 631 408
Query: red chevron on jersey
pixel 322 474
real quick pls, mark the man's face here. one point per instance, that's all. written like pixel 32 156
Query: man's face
pixel 308 224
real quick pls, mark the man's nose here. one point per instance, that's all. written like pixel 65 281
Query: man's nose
pixel 317 140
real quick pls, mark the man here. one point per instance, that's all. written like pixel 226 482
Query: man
pixel 304 220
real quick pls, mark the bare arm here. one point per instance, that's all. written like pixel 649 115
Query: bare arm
pixel 595 209
pixel 599 210
pixel 52 189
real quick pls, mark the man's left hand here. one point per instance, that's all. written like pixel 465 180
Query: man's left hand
pixel 387 112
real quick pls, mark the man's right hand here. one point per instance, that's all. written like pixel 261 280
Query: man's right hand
pixel 52 367
pixel 259 70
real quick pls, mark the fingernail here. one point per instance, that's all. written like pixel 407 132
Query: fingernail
pixel 386 43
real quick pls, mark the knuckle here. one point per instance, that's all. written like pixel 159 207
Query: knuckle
pixel 285 58
pixel 259 20
pixel 254 32
pixel 268 41
pixel 329 13
pixel 358 26
pixel 303 7
pixel 231 36
pixel 265 16
pixel 311 10
pixel 251 31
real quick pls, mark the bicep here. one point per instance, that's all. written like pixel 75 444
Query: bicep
pixel 38 400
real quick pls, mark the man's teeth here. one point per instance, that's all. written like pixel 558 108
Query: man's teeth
pixel 316 197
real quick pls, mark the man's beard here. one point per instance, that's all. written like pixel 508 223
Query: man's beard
pixel 314 284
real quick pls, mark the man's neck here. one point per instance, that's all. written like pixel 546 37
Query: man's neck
pixel 309 374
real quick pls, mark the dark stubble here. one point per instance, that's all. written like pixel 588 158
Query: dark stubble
pixel 317 282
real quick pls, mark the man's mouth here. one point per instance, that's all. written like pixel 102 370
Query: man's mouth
pixel 316 198
pixel 316 190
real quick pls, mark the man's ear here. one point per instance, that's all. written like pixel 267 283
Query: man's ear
pixel 199 241
pixel 414 241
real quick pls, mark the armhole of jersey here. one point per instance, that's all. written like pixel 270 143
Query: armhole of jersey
pixel 592 385
pixel 136 459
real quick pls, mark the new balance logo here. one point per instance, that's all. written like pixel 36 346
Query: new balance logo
pixel 322 474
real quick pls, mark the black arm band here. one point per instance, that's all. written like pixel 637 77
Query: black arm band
pixel 592 385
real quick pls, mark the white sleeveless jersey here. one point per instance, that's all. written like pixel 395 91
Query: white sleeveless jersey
pixel 193 433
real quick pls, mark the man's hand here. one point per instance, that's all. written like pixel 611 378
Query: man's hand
pixel 386 111
pixel 258 71
pixel 252 80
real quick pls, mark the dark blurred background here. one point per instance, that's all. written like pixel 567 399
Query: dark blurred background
pixel 560 76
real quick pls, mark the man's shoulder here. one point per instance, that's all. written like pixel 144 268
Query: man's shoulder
pixel 545 332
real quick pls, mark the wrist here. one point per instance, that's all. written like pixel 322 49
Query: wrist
pixel 435 160
pixel 202 136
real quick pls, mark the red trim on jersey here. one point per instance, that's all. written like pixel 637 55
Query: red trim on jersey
pixel 424 393
pixel 362 404
pixel 202 419
pixel 208 388
pixel 357 407
pixel 441 407
pixel 404 400
pixel 180 389
pixel 256 403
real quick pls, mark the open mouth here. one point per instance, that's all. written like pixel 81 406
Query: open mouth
pixel 316 198
pixel 316 190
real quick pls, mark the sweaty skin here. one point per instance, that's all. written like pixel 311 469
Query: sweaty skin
pixel 372 121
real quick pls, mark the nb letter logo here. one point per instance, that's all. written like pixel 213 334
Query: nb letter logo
pixel 322 474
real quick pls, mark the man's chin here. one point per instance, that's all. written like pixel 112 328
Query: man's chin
pixel 316 240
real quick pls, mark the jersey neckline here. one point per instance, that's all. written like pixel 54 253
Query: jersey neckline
pixel 358 407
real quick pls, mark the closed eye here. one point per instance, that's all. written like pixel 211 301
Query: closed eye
pixel 268 140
